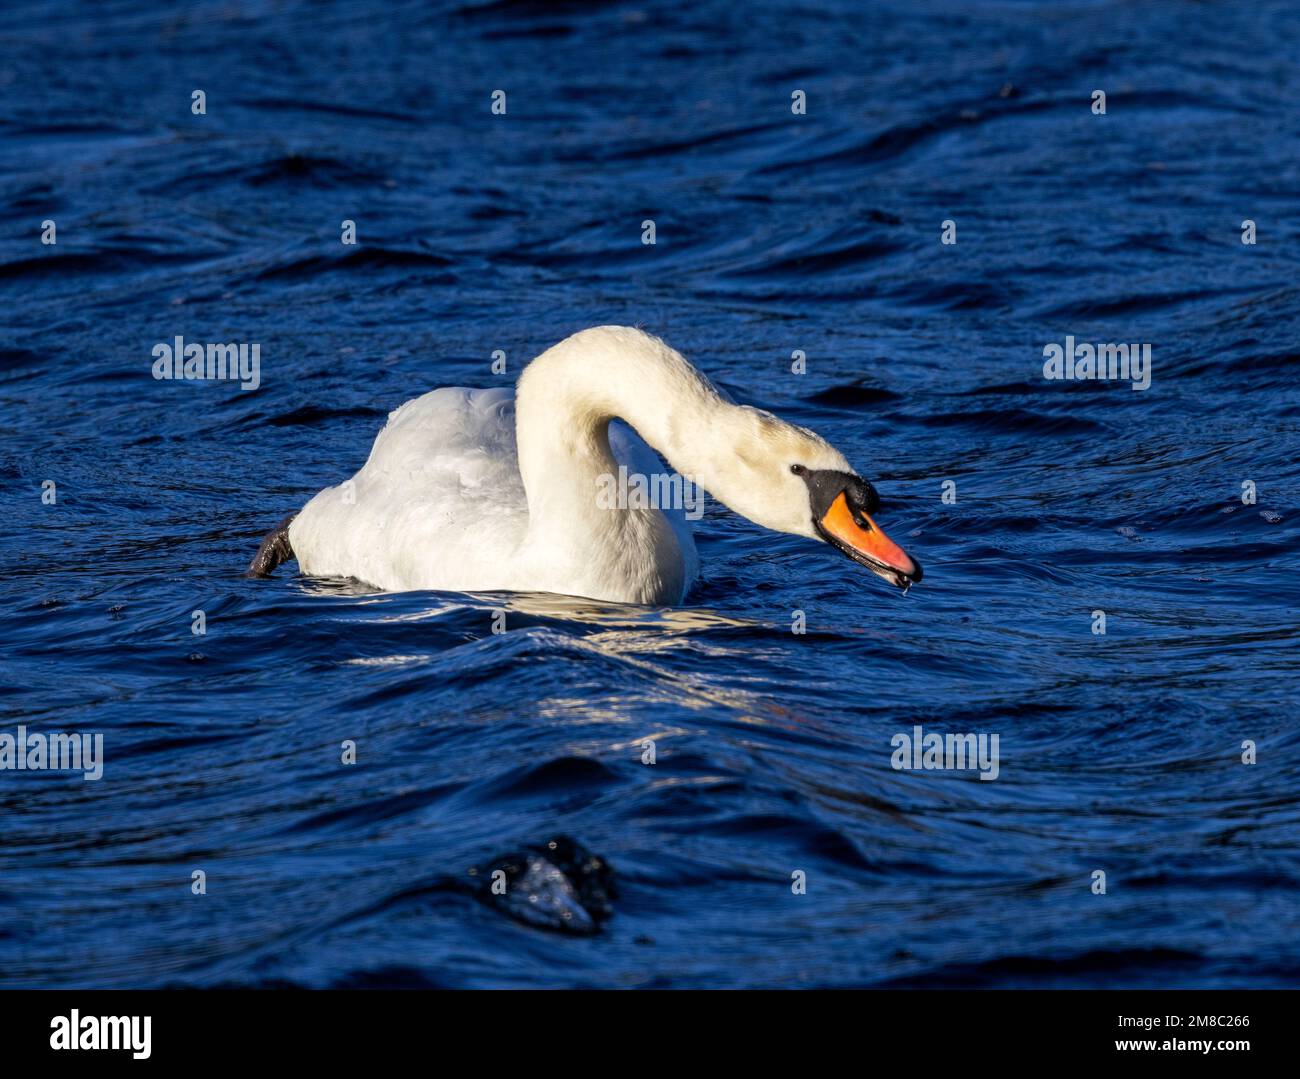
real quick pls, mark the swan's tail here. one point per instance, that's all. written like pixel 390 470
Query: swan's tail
pixel 274 550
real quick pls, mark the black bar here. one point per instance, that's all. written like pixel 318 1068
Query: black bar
pixel 337 1028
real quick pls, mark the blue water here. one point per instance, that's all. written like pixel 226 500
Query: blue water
pixel 1119 752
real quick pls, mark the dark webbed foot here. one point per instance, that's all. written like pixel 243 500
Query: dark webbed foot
pixel 274 550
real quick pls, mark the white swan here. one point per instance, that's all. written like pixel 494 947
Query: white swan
pixel 478 490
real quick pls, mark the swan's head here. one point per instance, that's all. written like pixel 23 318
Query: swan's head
pixel 789 479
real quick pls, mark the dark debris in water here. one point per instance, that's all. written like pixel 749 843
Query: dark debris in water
pixel 557 885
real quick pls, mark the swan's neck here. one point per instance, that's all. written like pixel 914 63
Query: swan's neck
pixel 570 393
pixel 745 458
pixel 565 401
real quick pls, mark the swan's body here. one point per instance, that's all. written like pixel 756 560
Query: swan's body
pixel 440 504
pixel 482 490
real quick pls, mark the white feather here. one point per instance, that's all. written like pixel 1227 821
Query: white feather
pixel 445 501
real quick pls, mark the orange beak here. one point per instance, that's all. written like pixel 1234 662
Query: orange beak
pixel 859 537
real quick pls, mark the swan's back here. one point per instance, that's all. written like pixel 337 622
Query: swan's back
pixel 439 496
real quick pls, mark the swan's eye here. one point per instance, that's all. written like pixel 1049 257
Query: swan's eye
pixel 799 470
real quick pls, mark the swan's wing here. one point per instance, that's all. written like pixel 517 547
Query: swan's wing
pixel 442 479
pixel 453 439
pixel 632 450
